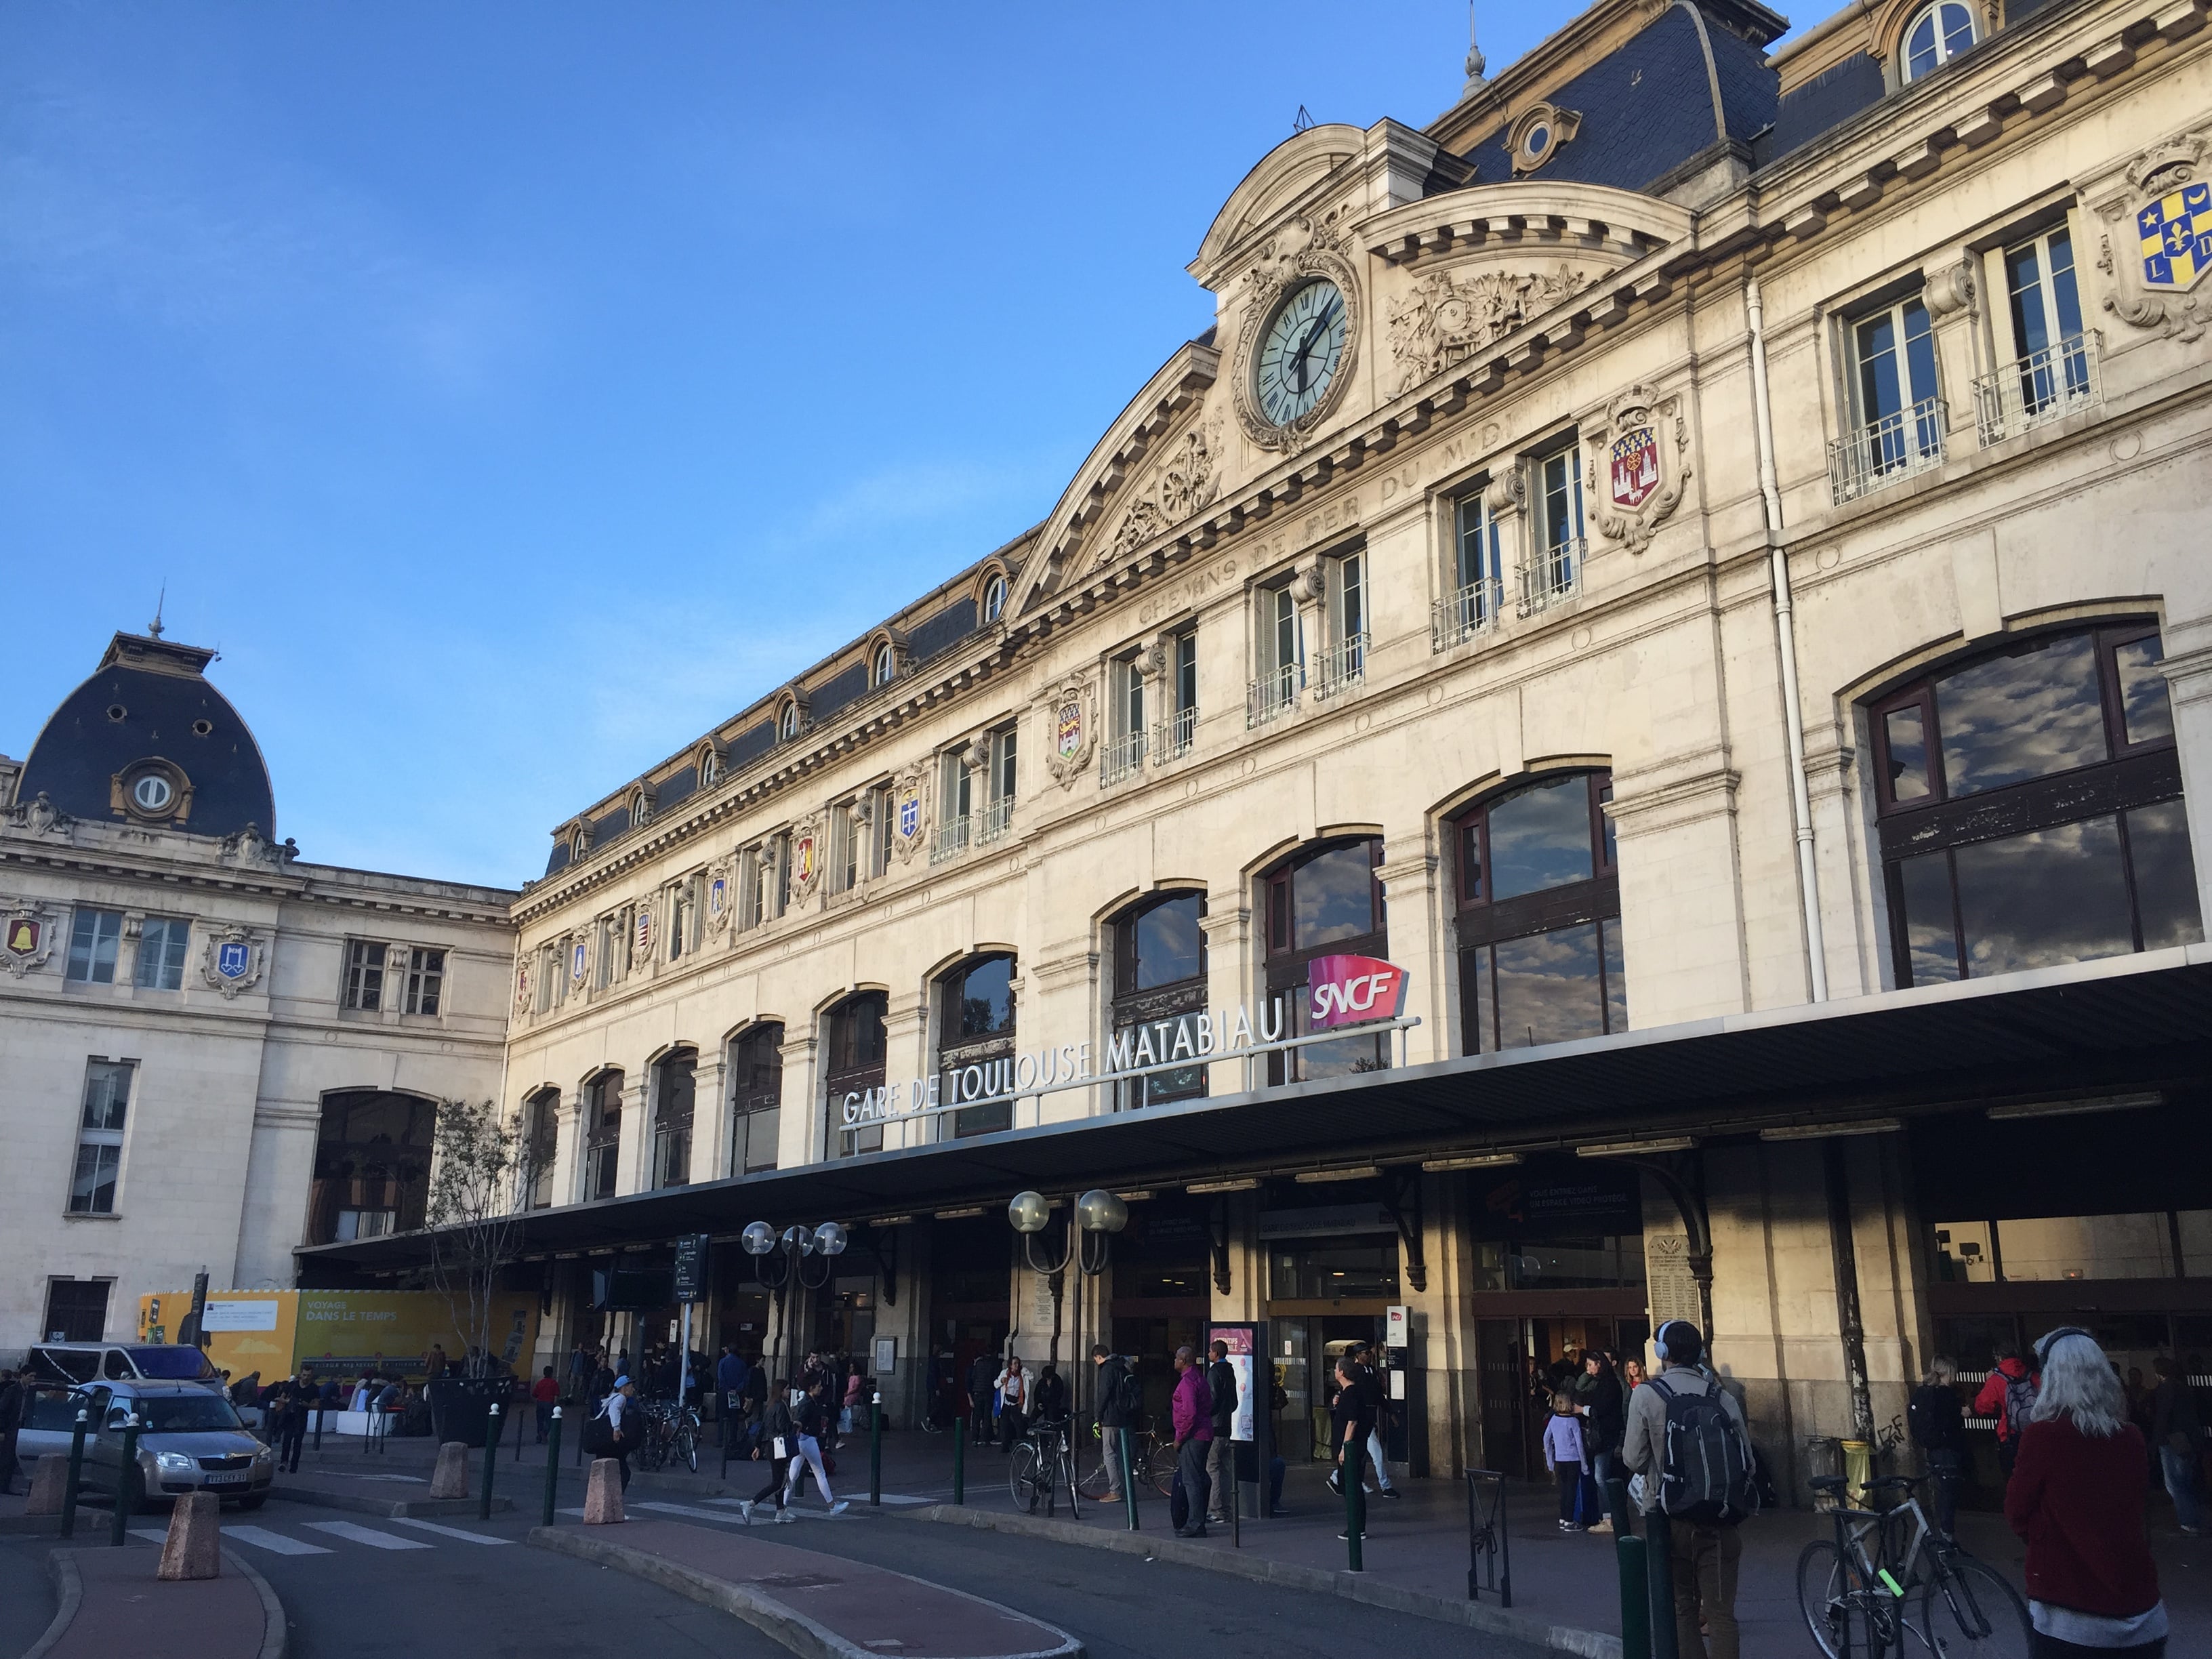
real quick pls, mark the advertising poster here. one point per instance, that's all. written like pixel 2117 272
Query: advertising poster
pixel 345 1332
pixel 1239 1338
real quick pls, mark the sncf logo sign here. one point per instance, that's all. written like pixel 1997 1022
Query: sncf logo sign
pixel 1352 990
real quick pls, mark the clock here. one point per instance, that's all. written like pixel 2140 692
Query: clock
pixel 1300 352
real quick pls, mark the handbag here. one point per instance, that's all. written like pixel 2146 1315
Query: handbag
pixel 1178 1503
pixel 1589 1502
pixel 780 1449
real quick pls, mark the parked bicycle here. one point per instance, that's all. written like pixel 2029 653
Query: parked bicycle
pixel 1151 1463
pixel 1889 1573
pixel 670 1431
pixel 1044 1468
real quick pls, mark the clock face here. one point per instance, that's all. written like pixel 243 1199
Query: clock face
pixel 1301 352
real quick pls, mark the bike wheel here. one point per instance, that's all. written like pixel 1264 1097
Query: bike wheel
pixel 1094 1482
pixel 1840 1625
pixel 1026 1478
pixel 687 1448
pixel 1163 1470
pixel 1968 1611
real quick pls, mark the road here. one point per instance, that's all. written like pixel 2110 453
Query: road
pixel 362 1588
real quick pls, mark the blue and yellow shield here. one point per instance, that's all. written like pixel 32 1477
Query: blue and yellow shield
pixel 2177 237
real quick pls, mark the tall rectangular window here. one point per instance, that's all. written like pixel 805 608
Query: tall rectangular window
pixel 879 829
pixel 161 946
pixel 1123 753
pixel 1897 413
pixel 681 909
pixel 100 1137
pixel 426 979
pixel 364 975
pixel 1182 713
pixel 1477 578
pixel 2054 367
pixel 1344 662
pixel 1554 564
pixel 93 938
pixel 1280 657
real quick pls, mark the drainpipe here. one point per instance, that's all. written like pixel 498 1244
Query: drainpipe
pixel 1793 715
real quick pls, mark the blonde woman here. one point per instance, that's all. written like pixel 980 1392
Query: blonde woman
pixel 2076 1497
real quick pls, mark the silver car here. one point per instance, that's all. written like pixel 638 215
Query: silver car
pixel 190 1440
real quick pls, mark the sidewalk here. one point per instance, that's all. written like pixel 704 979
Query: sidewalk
pixel 1417 1543
pixel 813 1604
pixel 110 1603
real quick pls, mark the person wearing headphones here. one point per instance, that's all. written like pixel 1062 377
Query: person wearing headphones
pixel 1705 1544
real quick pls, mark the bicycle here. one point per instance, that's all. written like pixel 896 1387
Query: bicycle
pixel 1855 1591
pixel 1150 1464
pixel 1043 1466
pixel 669 1431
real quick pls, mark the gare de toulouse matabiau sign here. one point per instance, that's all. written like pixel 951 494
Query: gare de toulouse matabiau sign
pixel 1342 991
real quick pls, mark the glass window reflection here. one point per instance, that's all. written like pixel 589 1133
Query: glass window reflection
pixel 1169 947
pixel 2046 897
pixel 2027 713
pixel 2146 716
pixel 1540 837
pixel 1333 897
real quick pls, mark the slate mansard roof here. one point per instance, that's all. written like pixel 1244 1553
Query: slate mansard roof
pixel 150 701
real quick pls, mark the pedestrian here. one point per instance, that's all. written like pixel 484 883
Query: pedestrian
pixel 732 1374
pixel 1111 1414
pixel 1631 1374
pixel 1013 1393
pixel 2008 1393
pixel 433 1362
pixel 1602 1405
pixel 11 1422
pixel 1349 1429
pixel 2178 1434
pixel 289 1403
pixel 1050 1404
pixel 1566 1455
pixel 618 1411
pixel 603 1379
pixel 855 1387
pixel 580 1366
pixel 546 1391
pixel 982 1373
pixel 811 1418
pixel 1682 1408
pixel 779 1435
pixel 2077 1495
pixel 1192 1412
pixel 1221 1450
pixel 1938 1427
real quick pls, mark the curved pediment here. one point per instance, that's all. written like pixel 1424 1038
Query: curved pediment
pixel 1284 178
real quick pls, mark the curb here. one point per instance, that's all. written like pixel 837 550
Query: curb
pixel 1351 1586
pixel 390 1508
pixel 275 1629
pixel 772 1618
pixel 28 1525
pixel 68 1595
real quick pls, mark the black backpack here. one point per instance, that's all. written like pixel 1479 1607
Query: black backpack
pixel 1705 1475
pixel 600 1431
pixel 1129 1394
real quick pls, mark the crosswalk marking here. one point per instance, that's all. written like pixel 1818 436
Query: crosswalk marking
pixel 446 1531
pixel 689 1510
pixel 151 1535
pixel 275 1542
pixel 369 1535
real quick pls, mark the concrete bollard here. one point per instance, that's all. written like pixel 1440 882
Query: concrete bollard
pixel 603 1503
pixel 49 1480
pixel 451 1477
pixel 193 1547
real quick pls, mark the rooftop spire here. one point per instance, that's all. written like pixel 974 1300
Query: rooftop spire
pixel 1475 62
pixel 154 628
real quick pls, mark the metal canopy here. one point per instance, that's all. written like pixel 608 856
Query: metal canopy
pixel 2132 1023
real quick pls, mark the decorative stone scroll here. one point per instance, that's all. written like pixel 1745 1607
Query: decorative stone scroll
pixel 1443 319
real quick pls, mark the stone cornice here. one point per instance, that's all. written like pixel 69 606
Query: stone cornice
pixel 294 883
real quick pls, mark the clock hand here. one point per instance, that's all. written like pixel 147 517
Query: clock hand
pixel 1305 350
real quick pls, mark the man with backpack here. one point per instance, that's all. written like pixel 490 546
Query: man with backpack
pixel 1116 1406
pixel 1686 1438
pixel 2008 1393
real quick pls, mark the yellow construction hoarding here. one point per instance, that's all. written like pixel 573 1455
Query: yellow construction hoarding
pixel 339 1332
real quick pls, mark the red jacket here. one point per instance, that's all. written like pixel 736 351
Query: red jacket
pixel 2079 1503
pixel 1193 1406
pixel 1991 1401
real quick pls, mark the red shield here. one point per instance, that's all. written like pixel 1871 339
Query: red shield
pixel 23 934
pixel 1635 466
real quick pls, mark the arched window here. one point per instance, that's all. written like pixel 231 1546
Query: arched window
pixel 975 1042
pixel 1539 916
pixel 756 1099
pixel 541 1144
pixel 372 1165
pixel 1160 988
pixel 710 767
pixel 855 1042
pixel 1936 35
pixel 1323 900
pixel 788 727
pixel 995 598
pixel 2030 809
pixel 886 665
pixel 603 1115
pixel 675 1099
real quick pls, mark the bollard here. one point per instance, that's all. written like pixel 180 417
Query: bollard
pixel 1659 1581
pixel 491 1459
pixel 76 1474
pixel 319 1431
pixel 1635 1587
pixel 124 1473
pixel 1355 1505
pixel 1235 1535
pixel 552 1466
pixel 960 1460
pixel 1129 1478
pixel 876 1450
pixel 518 1430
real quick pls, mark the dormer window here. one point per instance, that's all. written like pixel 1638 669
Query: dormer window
pixel 885 669
pixel 1934 37
pixel 787 726
pixel 710 767
pixel 1537 133
pixel 995 598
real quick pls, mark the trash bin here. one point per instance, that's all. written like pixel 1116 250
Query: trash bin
pixel 1824 1455
pixel 1858 1469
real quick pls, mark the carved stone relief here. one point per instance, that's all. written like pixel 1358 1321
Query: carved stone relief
pixel 2157 240
pixel 1636 466
pixel 1071 729
pixel 1184 484
pixel 1308 246
pixel 232 960
pixel 911 810
pixel 28 935
pixel 1445 320
pixel 808 847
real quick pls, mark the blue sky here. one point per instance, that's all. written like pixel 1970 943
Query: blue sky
pixel 513 391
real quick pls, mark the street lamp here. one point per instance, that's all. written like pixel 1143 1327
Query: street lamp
pixel 795 1247
pixel 1090 1246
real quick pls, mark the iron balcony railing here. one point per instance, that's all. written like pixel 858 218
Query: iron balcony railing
pixel 950 839
pixel 1121 757
pixel 1271 697
pixel 1173 737
pixel 1550 574
pixel 1459 618
pixel 1888 450
pixel 2043 386
pixel 994 820
pixel 1341 667
pixel 956 835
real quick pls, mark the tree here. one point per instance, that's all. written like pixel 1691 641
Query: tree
pixel 481 1172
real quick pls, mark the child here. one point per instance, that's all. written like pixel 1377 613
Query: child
pixel 1567 1455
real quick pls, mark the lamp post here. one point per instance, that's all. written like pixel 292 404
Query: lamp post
pixel 793 1247
pixel 1089 1246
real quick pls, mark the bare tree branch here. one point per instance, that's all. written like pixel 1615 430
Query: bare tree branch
pixel 481 1175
